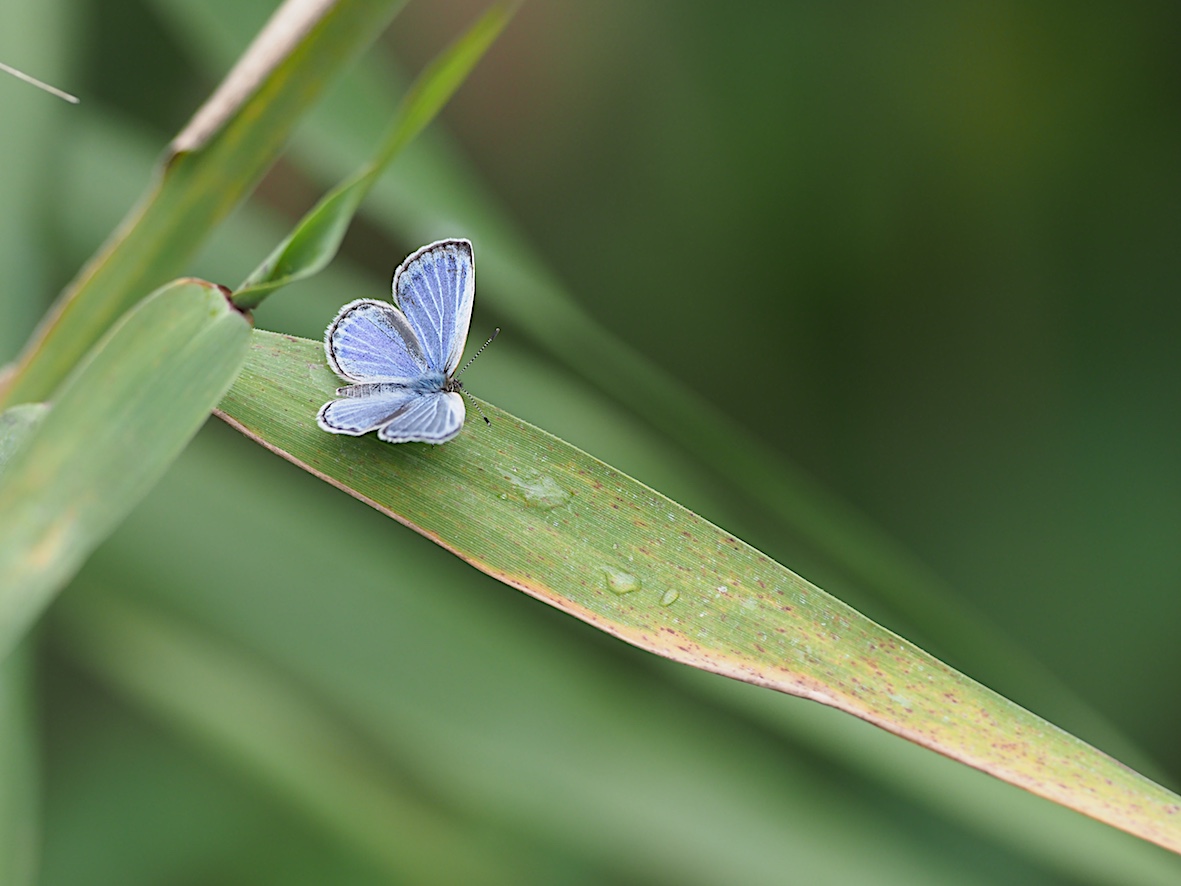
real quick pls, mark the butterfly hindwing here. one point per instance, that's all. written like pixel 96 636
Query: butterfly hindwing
pixel 430 418
pixel 358 415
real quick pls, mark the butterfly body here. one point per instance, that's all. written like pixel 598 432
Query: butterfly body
pixel 401 358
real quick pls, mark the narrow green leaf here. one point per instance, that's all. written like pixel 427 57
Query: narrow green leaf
pixel 117 423
pixel 317 237
pixel 206 171
pixel 541 516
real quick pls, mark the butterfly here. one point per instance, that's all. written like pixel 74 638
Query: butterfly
pixel 401 358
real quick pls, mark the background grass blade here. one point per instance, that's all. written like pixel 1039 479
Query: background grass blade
pixel 19 772
pixel 541 516
pixel 292 742
pixel 317 238
pixel 195 188
pixel 114 427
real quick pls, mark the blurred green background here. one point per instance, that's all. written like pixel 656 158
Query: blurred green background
pixel 925 251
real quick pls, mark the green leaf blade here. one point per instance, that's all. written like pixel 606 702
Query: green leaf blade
pixel 118 422
pixel 546 518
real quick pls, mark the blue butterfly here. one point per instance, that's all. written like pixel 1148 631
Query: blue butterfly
pixel 402 359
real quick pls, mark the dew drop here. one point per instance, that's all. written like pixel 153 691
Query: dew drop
pixel 670 597
pixel 620 582
pixel 540 490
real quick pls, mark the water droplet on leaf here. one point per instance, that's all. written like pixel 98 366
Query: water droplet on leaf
pixel 620 582
pixel 540 490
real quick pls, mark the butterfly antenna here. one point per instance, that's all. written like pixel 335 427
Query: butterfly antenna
pixel 491 338
pixel 475 402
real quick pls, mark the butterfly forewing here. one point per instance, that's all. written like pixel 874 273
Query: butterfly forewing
pixel 435 288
